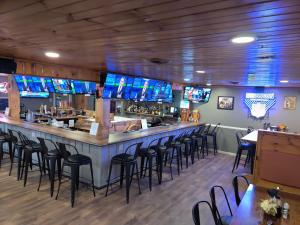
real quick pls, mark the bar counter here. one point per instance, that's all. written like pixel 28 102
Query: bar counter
pixel 100 150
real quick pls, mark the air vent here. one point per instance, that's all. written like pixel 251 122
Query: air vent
pixel 159 61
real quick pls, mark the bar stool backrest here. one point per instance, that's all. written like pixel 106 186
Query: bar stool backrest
pixel 235 183
pixel 25 140
pixel 46 143
pixel 169 140
pixel 196 212
pixel 200 130
pixel 250 129
pixel 239 136
pixel 14 135
pixel 135 148
pixel 65 150
pixel 215 129
pixel 215 209
pixel 207 128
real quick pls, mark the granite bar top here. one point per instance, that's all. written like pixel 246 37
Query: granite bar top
pixel 94 140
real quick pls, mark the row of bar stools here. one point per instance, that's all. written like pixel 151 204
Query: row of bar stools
pixel 5 138
pixel 74 161
pixel 127 161
pixel 50 159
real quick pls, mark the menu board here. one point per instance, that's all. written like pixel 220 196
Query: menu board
pixel 63 86
pixel 197 94
pixel 83 87
pixel 31 87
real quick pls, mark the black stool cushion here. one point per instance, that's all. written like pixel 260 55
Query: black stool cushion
pixel 162 147
pixel 175 143
pixel 79 159
pixel 34 146
pixel 124 157
pixel 246 145
pixel 53 152
pixel 146 151
pixel 186 140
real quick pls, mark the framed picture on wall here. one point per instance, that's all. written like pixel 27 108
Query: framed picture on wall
pixel 290 102
pixel 225 102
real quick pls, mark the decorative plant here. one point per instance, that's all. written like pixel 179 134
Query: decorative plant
pixel 270 206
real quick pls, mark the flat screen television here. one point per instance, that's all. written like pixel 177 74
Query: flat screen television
pixel 162 91
pixel 63 86
pixel 197 94
pixel 117 86
pixel 142 89
pixel 31 87
pixel 84 87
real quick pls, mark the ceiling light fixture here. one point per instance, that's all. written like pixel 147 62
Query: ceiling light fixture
pixel 187 79
pixel 284 81
pixel 52 54
pixel 200 71
pixel 242 39
pixel 208 84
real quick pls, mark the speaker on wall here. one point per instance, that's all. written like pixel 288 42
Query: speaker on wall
pixel 8 66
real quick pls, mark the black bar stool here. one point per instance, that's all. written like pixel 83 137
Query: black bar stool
pixel 213 135
pixel 176 152
pixel 18 145
pixel 29 148
pixel 128 162
pixel 50 158
pixel 197 138
pixel 5 138
pixel 149 154
pixel 74 161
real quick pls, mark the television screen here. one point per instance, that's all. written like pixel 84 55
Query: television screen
pixel 117 86
pixel 42 84
pixel 142 89
pixel 84 87
pixel 197 94
pixel 162 91
pixel 31 87
pixel 63 86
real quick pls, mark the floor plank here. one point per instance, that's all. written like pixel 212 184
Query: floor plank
pixel 169 203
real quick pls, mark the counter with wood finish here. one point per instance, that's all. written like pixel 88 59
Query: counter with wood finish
pixel 101 150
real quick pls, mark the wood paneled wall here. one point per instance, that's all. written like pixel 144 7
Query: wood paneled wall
pixel 52 70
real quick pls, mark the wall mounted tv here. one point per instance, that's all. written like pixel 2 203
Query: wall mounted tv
pixel 117 86
pixel 63 86
pixel 33 87
pixel 120 86
pixel 83 87
pixel 197 94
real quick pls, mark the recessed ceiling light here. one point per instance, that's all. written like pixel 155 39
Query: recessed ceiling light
pixel 200 71
pixel 284 81
pixel 52 54
pixel 242 39
pixel 208 84
pixel 187 79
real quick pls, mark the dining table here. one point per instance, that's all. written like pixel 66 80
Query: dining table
pixel 249 211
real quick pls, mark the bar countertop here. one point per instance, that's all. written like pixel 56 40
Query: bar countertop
pixel 94 140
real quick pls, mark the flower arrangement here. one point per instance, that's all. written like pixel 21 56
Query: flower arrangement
pixel 270 206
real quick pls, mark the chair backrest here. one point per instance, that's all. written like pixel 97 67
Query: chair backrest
pixel 207 128
pixel 65 150
pixel 215 129
pixel 196 212
pixel 239 136
pixel 153 144
pixel 45 143
pixel 24 139
pixel 14 135
pixel 250 129
pixel 168 142
pixel 200 130
pixel 136 147
pixel 235 183
pixel 215 209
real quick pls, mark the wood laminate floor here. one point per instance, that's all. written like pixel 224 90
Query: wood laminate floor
pixel 167 204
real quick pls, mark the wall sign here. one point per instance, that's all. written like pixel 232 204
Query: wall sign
pixel 259 103
pixel 290 102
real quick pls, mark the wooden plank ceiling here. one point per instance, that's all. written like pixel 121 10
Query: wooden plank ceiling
pixel 190 34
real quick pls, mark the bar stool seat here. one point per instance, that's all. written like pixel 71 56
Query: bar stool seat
pixel 79 159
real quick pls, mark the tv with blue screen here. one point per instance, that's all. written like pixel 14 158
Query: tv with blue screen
pixel 142 89
pixel 197 94
pixel 84 87
pixel 63 86
pixel 117 86
pixel 31 87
